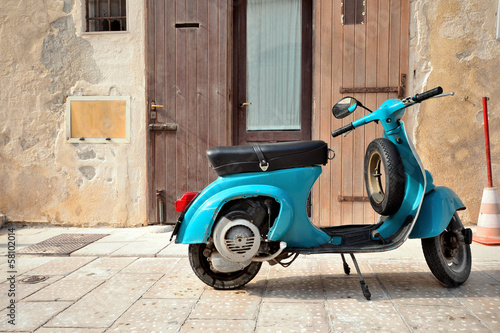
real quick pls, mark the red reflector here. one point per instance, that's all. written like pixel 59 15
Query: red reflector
pixel 182 203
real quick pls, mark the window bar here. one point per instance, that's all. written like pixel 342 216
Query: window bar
pixel 120 13
pixel 109 15
pixel 87 5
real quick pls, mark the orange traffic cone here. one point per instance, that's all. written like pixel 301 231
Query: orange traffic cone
pixel 488 224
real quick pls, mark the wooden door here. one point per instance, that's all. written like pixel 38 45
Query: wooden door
pixel 188 71
pixel 272 70
pixel 361 50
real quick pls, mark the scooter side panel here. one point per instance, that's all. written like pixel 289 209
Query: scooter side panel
pixel 437 210
pixel 288 187
pixel 197 229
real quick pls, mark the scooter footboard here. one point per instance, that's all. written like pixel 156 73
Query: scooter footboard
pixel 437 209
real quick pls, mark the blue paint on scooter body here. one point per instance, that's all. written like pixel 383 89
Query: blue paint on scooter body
pixel 288 187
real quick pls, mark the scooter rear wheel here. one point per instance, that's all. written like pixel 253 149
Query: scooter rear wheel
pixel 384 176
pixel 448 258
pixel 202 269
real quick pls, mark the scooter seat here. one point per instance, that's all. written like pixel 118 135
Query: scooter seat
pixel 229 160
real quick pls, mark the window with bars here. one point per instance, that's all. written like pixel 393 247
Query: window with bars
pixel 106 15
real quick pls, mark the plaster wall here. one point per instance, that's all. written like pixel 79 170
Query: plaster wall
pixel 45 57
pixel 452 44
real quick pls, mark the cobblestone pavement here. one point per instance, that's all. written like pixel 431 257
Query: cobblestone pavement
pixel 135 280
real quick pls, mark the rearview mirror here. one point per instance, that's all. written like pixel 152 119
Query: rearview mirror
pixel 344 107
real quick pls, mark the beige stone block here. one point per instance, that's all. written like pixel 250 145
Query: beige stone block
pixel 150 265
pixel 147 245
pixel 108 244
pixel 229 304
pixel 360 315
pixel 31 315
pixel 441 319
pixel 179 282
pixel 60 266
pixel 66 290
pixel 105 304
pixel 104 267
pixel 292 317
pixel 204 326
pixel 23 290
pixel 154 315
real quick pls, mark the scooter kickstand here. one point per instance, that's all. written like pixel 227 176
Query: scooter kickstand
pixel 347 269
pixel 364 286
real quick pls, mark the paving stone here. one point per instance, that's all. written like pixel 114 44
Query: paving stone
pixel 417 288
pixel 106 303
pixel 359 315
pixel 69 330
pixel 102 268
pixel 220 325
pixel 292 317
pixel 229 304
pixel 66 289
pixel 348 287
pixel 301 282
pixel 384 267
pixel 23 290
pixel 27 263
pixel 31 315
pixel 151 265
pixel 440 319
pixel 180 282
pixel 147 245
pixel 492 269
pixel 481 296
pixel 174 250
pixel 154 315
pixel 108 244
pixel 60 266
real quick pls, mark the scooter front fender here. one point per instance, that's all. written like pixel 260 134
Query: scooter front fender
pixel 437 209
pixel 197 227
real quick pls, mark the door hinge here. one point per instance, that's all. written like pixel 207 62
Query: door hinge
pixel 401 90
pixel 354 198
pixel 163 127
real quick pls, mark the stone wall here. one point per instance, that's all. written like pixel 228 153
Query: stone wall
pixel 45 58
pixel 453 45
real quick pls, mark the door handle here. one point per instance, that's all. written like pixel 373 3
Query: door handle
pixel 245 104
pixel 154 106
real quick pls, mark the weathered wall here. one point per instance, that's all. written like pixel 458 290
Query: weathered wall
pixel 453 45
pixel 45 57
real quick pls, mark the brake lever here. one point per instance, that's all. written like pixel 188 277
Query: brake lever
pixel 346 133
pixel 444 95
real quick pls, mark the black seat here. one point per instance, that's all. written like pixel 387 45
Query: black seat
pixel 285 155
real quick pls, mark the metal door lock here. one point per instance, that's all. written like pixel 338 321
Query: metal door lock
pixel 163 127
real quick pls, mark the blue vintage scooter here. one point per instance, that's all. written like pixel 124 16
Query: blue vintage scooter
pixel 256 210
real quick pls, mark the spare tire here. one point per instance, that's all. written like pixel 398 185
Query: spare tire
pixel 385 178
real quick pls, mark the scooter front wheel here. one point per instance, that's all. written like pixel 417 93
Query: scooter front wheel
pixel 201 267
pixel 447 255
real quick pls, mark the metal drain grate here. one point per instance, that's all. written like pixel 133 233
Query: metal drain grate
pixel 62 245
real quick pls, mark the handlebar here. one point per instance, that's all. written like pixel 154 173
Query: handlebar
pixel 342 130
pixel 427 94
pixel 390 113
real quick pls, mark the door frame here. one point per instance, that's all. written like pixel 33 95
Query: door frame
pixel 239 80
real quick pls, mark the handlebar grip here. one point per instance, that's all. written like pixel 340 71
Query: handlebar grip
pixel 342 130
pixel 427 94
